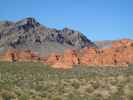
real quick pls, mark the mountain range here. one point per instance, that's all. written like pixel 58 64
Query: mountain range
pixel 30 34
pixel 28 40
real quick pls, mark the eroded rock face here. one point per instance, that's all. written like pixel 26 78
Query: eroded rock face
pixel 67 60
pixel 121 53
pixel 15 55
pixel 123 50
pixel 9 55
pixel 122 43
pixel 70 57
pixel 27 55
pixel 88 55
pixel 52 59
pixel 125 55
pixel 106 56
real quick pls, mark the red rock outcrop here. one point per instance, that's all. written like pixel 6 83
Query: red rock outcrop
pixel 121 53
pixel 27 55
pixel 16 55
pixel 124 55
pixel 68 59
pixel 122 43
pixel 52 59
pixel 88 55
pixel 9 55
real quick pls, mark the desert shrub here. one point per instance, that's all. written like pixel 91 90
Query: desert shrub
pixel 36 81
pixel 89 88
pixel 23 97
pixel 7 95
pixel 56 98
pixel 130 97
pixel 76 85
pixel 95 84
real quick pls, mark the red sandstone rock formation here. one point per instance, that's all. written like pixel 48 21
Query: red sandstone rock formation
pixel 124 55
pixel 88 55
pixel 52 59
pixel 68 59
pixel 15 55
pixel 106 56
pixel 121 53
pixel 9 55
pixel 27 55
pixel 122 43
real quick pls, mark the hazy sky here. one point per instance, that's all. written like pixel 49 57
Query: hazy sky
pixel 97 19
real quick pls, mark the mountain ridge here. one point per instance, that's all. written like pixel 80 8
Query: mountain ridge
pixel 30 34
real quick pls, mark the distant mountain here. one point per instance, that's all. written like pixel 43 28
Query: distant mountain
pixel 104 43
pixel 30 34
pixel 107 43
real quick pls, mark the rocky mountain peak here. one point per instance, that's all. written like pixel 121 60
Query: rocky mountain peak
pixel 28 22
pixel 30 34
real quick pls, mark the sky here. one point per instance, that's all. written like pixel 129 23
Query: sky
pixel 96 19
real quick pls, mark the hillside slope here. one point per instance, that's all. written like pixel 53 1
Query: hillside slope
pixel 30 34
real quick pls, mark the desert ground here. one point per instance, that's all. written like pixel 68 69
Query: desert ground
pixel 36 81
